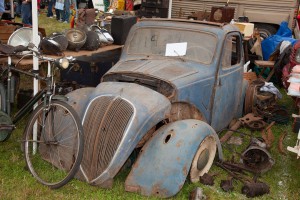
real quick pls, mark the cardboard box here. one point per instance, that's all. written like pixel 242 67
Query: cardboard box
pixel 245 28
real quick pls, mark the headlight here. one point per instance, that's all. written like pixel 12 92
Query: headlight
pixel 297 56
pixel 64 63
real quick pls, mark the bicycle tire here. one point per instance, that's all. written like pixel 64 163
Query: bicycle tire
pixel 54 155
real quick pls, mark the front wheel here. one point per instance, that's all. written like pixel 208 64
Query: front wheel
pixel 53 144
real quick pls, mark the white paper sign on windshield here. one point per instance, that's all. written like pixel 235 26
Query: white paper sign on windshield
pixel 176 49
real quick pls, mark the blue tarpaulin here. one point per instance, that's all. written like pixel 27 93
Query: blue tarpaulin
pixel 269 44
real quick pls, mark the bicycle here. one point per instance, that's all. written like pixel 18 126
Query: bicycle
pixel 53 137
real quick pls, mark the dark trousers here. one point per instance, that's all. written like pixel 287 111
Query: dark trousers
pixel 50 6
pixel 26 13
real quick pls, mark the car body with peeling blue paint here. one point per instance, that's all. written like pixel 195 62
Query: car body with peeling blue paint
pixel 176 83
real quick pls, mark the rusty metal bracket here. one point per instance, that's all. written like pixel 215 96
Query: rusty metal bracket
pixel 280 143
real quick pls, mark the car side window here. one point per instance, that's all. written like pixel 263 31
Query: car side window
pixel 232 51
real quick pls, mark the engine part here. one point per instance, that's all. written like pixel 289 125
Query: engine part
pixel 256 100
pixel 275 113
pixel 227 185
pixel 253 122
pixel 255 189
pixel 207 179
pixel 257 158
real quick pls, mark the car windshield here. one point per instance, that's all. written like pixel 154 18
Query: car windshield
pixel 186 44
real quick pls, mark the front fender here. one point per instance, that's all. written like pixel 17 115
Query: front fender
pixel 165 160
pixel 79 98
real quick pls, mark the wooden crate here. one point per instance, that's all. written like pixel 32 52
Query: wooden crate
pixel 5 32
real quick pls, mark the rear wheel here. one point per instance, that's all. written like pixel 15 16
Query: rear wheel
pixel 53 144
pixel 204 158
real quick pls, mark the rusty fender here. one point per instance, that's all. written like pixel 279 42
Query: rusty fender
pixel 165 160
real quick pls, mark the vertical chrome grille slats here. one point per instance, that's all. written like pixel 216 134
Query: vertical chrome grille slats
pixel 104 125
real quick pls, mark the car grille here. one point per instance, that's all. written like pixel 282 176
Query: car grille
pixel 104 126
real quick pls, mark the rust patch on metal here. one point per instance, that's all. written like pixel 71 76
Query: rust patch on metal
pixel 179 143
pixel 181 111
pixel 185 171
pixel 146 137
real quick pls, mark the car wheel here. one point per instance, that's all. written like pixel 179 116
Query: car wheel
pixel 204 158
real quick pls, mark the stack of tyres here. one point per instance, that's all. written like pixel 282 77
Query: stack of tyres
pixel 154 8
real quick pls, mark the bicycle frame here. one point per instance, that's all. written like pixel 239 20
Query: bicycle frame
pixel 46 93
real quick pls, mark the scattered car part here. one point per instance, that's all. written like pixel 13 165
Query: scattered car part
pixel 275 113
pixel 250 188
pixel 253 122
pixel 207 179
pixel 228 134
pixel 76 39
pixel 227 185
pixel 296 148
pixel 268 136
pixel 257 158
pixel 255 189
pixel 22 36
pixel 197 194
pixel 92 41
pixel 157 179
pixel 280 143
pixel 251 94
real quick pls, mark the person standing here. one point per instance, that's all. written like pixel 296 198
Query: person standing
pixel 26 12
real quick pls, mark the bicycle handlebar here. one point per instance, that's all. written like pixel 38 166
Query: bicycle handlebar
pixel 9 50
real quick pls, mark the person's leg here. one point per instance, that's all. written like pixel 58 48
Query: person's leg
pixel 62 15
pixel 67 11
pixel 57 12
pixel 50 5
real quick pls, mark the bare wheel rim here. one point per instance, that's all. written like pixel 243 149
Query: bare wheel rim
pixel 53 156
pixel 203 158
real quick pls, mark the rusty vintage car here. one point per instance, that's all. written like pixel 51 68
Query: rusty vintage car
pixel 177 82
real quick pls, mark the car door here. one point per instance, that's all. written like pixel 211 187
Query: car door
pixel 229 82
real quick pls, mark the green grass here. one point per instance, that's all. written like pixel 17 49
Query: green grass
pixel 17 183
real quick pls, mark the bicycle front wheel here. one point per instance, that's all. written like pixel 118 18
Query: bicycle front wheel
pixel 53 144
